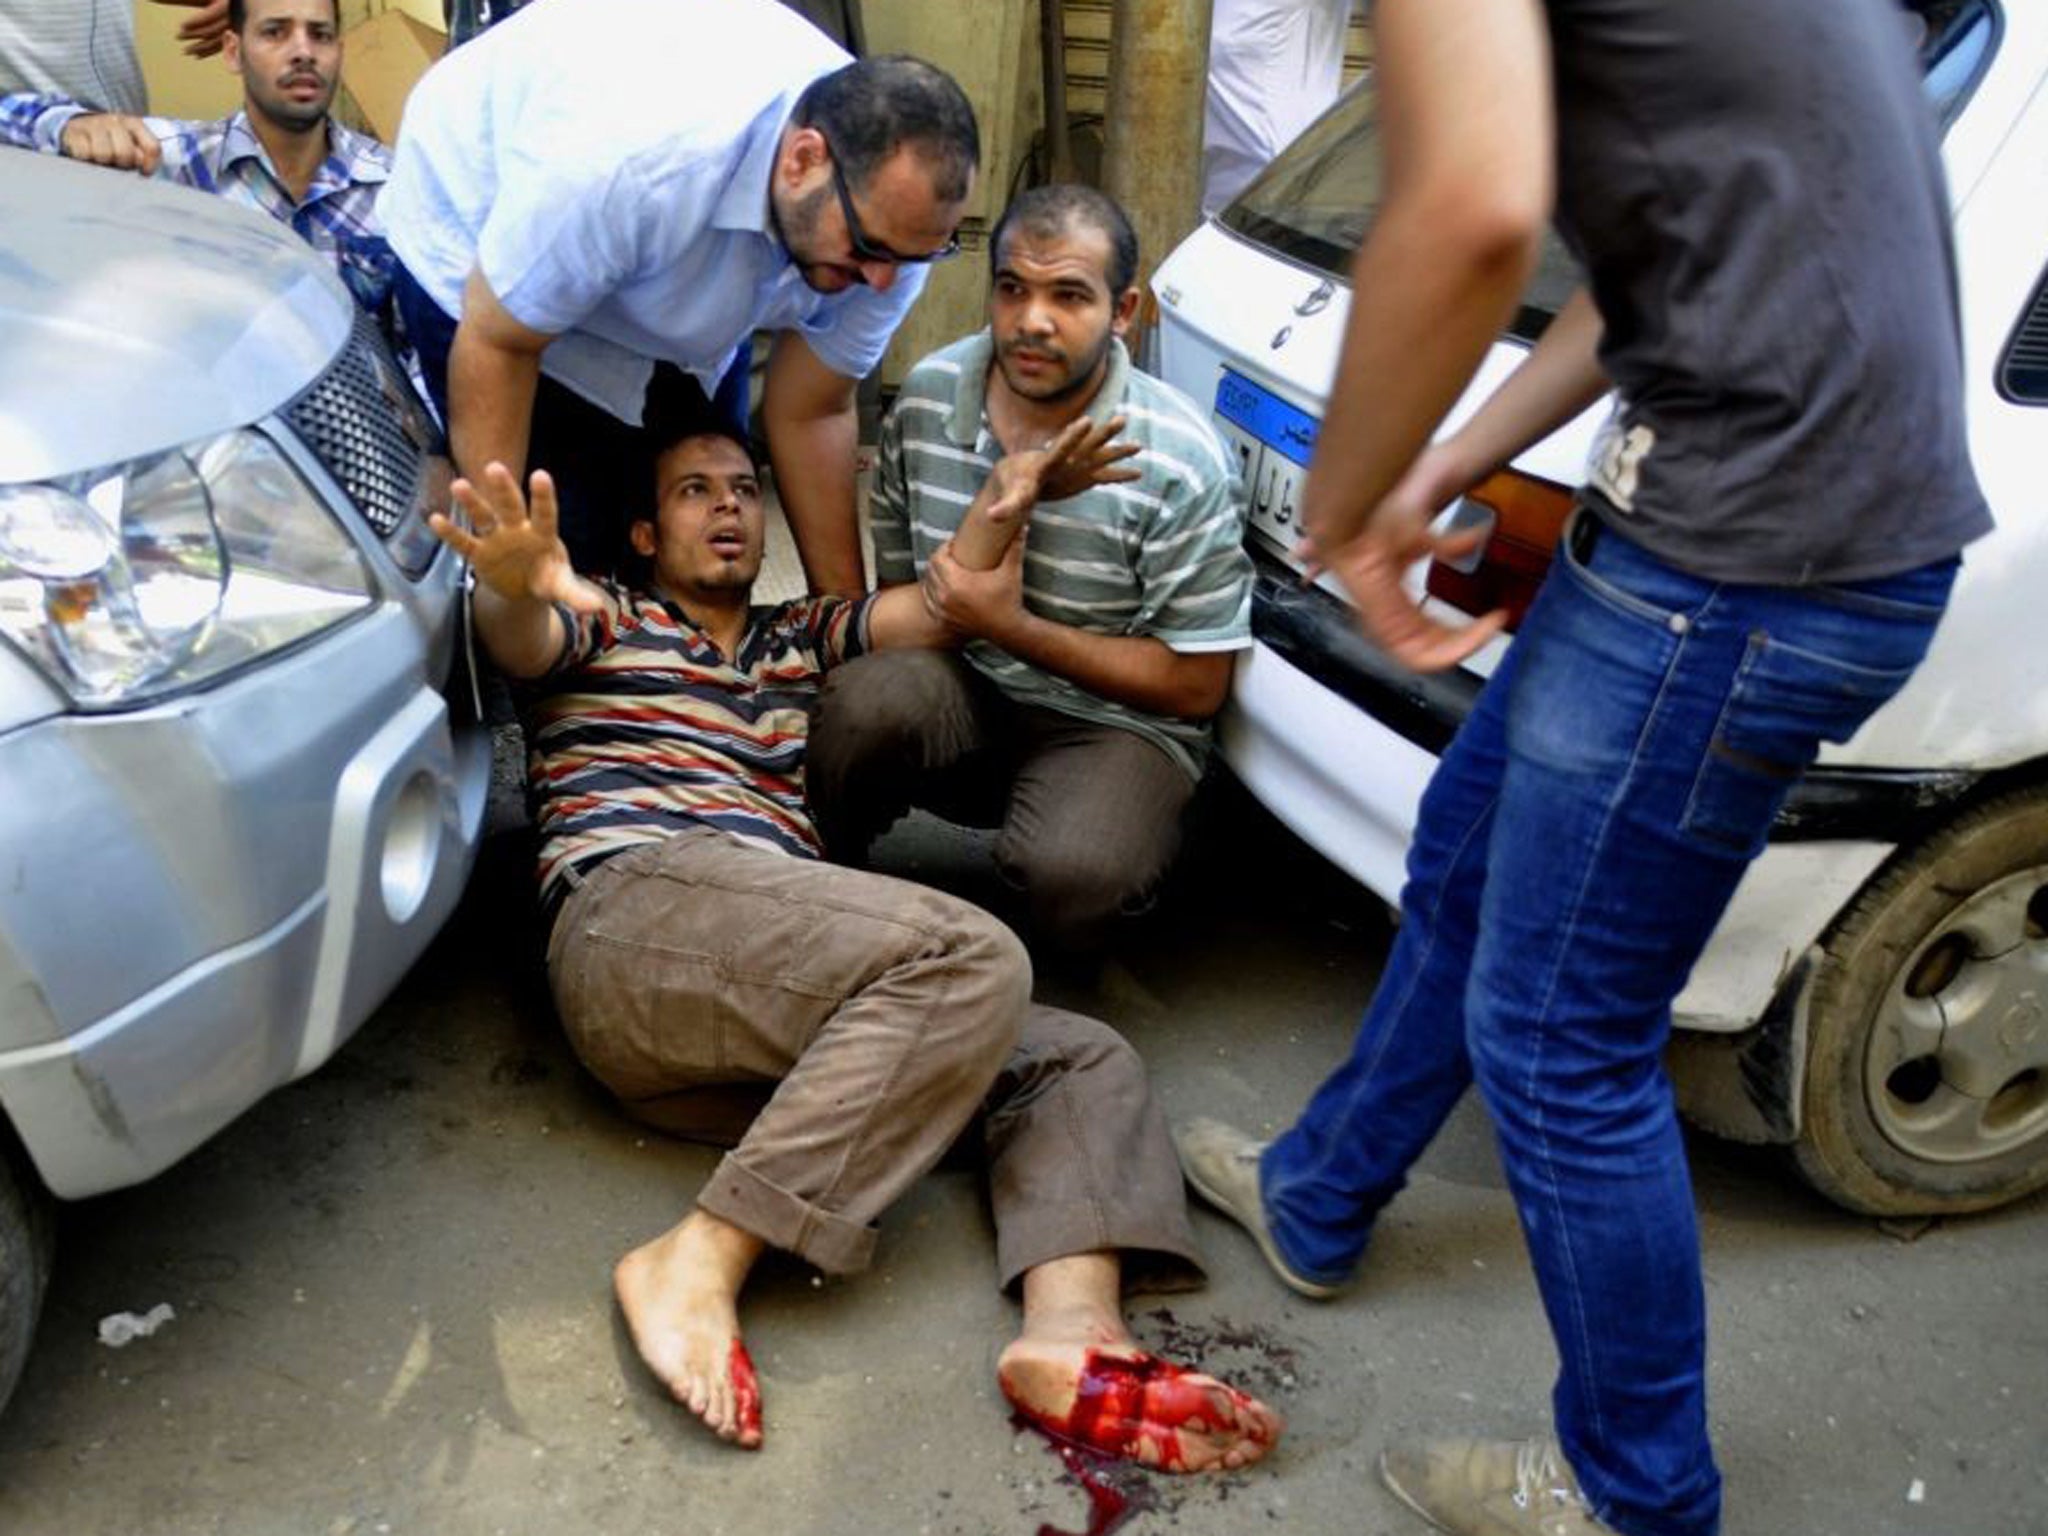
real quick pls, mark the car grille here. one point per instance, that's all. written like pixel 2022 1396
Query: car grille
pixel 367 427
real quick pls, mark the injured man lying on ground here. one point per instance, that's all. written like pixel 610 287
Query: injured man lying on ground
pixel 839 1029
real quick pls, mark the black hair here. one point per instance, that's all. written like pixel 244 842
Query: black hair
pixel 671 435
pixel 1047 213
pixel 873 107
pixel 238 15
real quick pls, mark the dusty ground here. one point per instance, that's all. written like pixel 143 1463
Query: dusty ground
pixel 393 1316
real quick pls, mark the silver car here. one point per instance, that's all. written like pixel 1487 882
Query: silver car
pixel 239 798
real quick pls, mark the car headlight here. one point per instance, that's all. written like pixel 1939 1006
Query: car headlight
pixel 129 583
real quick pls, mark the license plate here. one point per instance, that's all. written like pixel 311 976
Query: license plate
pixel 1273 441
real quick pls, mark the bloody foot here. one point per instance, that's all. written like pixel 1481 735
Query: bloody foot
pixel 680 1294
pixel 1124 1402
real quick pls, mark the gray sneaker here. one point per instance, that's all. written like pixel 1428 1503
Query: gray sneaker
pixel 1222 1163
pixel 1490 1488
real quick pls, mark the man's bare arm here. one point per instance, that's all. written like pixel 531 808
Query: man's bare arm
pixel 1468 128
pixel 813 432
pixel 1136 670
pixel 1080 455
pixel 954 603
pixel 493 374
pixel 522 569
pixel 1556 381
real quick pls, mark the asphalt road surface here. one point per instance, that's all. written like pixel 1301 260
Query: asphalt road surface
pixel 391 1287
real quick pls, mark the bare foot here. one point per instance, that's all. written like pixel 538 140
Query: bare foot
pixel 680 1294
pixel 1119 1400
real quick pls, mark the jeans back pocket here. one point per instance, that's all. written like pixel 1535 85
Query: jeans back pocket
pixel 1786 700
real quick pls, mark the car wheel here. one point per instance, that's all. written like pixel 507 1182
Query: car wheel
pixel 27 1238
pixel 1927 1068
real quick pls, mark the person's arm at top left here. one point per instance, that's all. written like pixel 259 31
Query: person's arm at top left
pixel 57 125
pixel 813 429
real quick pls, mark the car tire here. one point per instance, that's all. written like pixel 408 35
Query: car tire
pixel 1926 1088
pixel 27 1241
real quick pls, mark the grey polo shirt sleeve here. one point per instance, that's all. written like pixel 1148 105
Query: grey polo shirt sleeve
pixel 889 508
pixel 1195 576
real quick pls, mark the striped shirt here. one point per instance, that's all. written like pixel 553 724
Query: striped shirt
pixel 1161 556
pixel 337 216
pixel 84 48
pixel 644 727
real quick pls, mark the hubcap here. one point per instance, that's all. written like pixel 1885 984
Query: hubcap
pixel 1957 1070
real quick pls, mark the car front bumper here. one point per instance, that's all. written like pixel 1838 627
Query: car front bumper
pixel 203 900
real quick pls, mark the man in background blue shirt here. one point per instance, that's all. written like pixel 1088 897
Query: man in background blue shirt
pixel 281 153
pixel 589 190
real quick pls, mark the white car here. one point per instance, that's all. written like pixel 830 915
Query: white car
pixel 1877 994
pixel 238 802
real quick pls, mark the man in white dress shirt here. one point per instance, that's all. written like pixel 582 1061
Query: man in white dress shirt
pixel 593 189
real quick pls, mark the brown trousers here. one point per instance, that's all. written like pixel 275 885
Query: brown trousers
pixel 1090 814
pixel 839 1030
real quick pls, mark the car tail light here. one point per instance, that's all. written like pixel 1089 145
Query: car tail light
pixel 1523 517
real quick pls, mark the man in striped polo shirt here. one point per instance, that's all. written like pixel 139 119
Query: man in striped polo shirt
pixel 1076 716
pixel 837 1029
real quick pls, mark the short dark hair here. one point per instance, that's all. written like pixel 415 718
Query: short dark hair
pixel 1047 213
pixel 238 15
pixel 672 435
pixel 871 108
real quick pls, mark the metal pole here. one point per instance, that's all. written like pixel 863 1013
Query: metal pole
pixel 1052 42
pixel 1152 160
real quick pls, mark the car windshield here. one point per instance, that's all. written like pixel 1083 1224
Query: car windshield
pixel 1314 203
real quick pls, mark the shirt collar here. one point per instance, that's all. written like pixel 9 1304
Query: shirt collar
pixel 970 404
pixel 345 153
pixel 744 203
pixel 239 142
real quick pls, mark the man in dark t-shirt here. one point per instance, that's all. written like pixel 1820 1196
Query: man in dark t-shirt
pixel 1768 536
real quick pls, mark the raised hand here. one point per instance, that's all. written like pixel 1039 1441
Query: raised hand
pixel 1078 455
pixel 516 550
pixel 1093 460
pixel 112 139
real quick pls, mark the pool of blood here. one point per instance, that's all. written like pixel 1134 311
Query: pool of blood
pixel 1108 1506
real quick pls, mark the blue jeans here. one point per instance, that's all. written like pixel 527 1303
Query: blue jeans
pixel 1576 847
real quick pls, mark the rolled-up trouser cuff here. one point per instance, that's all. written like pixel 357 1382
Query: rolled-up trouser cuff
pixel 1155 1259
pixel 737 1194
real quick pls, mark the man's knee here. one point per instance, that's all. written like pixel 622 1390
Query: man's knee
pixel 988 988
pixel 886 702
pixel 1077 891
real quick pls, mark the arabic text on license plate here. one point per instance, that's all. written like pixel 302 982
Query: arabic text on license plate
pixel 1274 441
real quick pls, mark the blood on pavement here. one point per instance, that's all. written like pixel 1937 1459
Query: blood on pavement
pixel 1108 1507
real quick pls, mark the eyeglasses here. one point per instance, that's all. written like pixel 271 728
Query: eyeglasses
pixel 865 249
